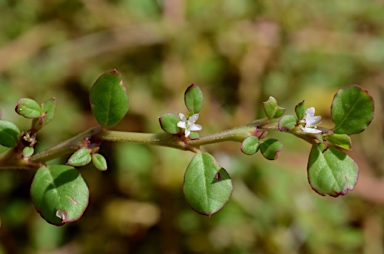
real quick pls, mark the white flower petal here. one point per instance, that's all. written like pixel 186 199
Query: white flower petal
pixel 193 118
pixel 181 124
pixel 189 124
pixel 182 117
pixel 311 130
pixel 313 120
pixel 196 127
pixel 310 111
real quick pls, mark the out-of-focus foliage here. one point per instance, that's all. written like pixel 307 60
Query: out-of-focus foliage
pixel 239 52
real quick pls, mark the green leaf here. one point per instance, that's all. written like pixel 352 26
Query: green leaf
pixel 48 108
pixel 99 162
pixel 28 151
pixel 250 145
pixel 168 123
pixel 28 108
pixel 193 98
pixel 9 134
pixel 279 112
pixel 59 194
pixel 207 187
pixel 287 122
pixel 271 109
pixel 80 158
pixel 47 112
pixel 109 99
pixel 300 110
pixel 352 110
pixel 270 148
pixel 330 171
pixel 340 140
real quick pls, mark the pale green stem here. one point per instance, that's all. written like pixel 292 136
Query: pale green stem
pixel 237 134
pixel 158 139
pixel 67 147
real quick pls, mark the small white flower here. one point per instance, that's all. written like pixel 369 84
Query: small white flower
pixel 311 121
pixel 189 124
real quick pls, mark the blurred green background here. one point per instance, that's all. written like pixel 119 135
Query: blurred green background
pixel 239 52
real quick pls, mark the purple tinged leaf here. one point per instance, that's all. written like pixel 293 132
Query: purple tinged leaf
pixel 300 110
pixel 330 171
pixel 28 108
pixel 287 122
pixel 168 123
pixel 207 187
pixel 271 109
pixel 270 148
pixel 250 145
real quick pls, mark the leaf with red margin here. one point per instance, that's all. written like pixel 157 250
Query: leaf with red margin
pixel 330 171
pixel 207 186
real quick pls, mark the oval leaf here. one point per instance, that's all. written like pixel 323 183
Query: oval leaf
pixel 300 110
pixel 109 99
pixel 340 140
pixel 28 151
pixel 48 108
pixel 9 134
pixel 193 98
pixel 250 145
pixel 28 108
pixel 207 187
pixel 59 194
pixel 330 171
pixel 270 107
pixel 279 112
pixel 270 148
pixel 352 110
pixel 47 112
pixel 80 158
pixel 168 123
pixel 99 162
pixel 287 122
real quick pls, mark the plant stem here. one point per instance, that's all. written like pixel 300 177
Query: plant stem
pixel 159 139
pixel 67 147
pixel 98 134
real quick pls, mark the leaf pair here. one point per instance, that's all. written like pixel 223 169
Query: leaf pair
pixel 331 171
pixel 269 147
pixel 271 109
pixel 84 156
pixel 41 114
